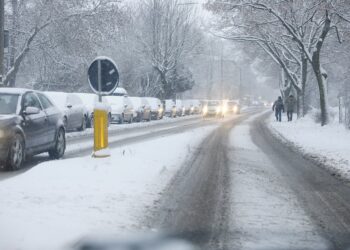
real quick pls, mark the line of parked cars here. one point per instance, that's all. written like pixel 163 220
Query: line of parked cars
pixel 78 108
pixel 34 122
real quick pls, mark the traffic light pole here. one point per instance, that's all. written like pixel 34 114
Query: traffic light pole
pixel 2 19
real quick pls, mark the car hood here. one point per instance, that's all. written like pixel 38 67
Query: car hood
pixel 8 120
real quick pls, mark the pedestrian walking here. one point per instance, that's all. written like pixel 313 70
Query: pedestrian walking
pixel 290 104
pixel 278 107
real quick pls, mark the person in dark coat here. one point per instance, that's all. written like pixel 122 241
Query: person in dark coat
pixel 278 107
pixel 290 104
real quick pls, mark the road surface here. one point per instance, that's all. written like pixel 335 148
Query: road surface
pixel 243 189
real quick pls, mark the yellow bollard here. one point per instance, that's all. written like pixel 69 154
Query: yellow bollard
pixel 100 134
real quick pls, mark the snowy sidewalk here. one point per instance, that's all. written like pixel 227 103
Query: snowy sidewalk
pixel 58 202
pixel 329 145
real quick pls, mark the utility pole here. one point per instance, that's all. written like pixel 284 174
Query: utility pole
pixel 2 19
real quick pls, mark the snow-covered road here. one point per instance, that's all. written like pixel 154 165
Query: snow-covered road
pixel 222 184
pixel 245 190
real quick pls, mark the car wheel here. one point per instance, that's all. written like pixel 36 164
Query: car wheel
pixel 121 119
pixel 83 124
pixel 60 145
pixel 91 122
pixel 16 153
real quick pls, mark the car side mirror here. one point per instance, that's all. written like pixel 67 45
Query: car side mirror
pixel 69 106
pixel 31 111
pixel 126 105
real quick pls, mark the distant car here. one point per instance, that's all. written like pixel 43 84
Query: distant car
pixel 142 110
pixel 170 108
pixel 75 115
pixel 180 109
pixel 187 104
pixel 196 107
pixel 30 124
pixel 89 101
pixel 157 110
pixel 212 108
pixel 233 107
pixel 122 109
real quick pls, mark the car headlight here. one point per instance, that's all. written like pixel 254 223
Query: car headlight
pixel 205 109
pixel 235 109
pixel 224 109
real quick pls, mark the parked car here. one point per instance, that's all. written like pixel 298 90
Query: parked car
pixel 89 101
pixel 120 92
pixel 180 109
pixel 142 109
pixel 170 108
pixel 75 115
pixel 212 108
pixel 121 109
pixel 30 124
pixel 157 110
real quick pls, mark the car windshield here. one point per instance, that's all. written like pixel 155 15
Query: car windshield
pixel 223 122
pixel 8 103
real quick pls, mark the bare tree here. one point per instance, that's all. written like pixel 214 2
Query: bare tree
pixel 167 38
pixel 306 24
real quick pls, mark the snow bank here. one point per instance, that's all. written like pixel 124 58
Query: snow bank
pixel 58 202
pixel 328 145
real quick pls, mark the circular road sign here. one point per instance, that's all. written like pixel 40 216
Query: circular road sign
pixel 109 76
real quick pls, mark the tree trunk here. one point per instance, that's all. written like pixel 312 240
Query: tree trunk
pixel 302 108
pixel 322 82
pixel 320 73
